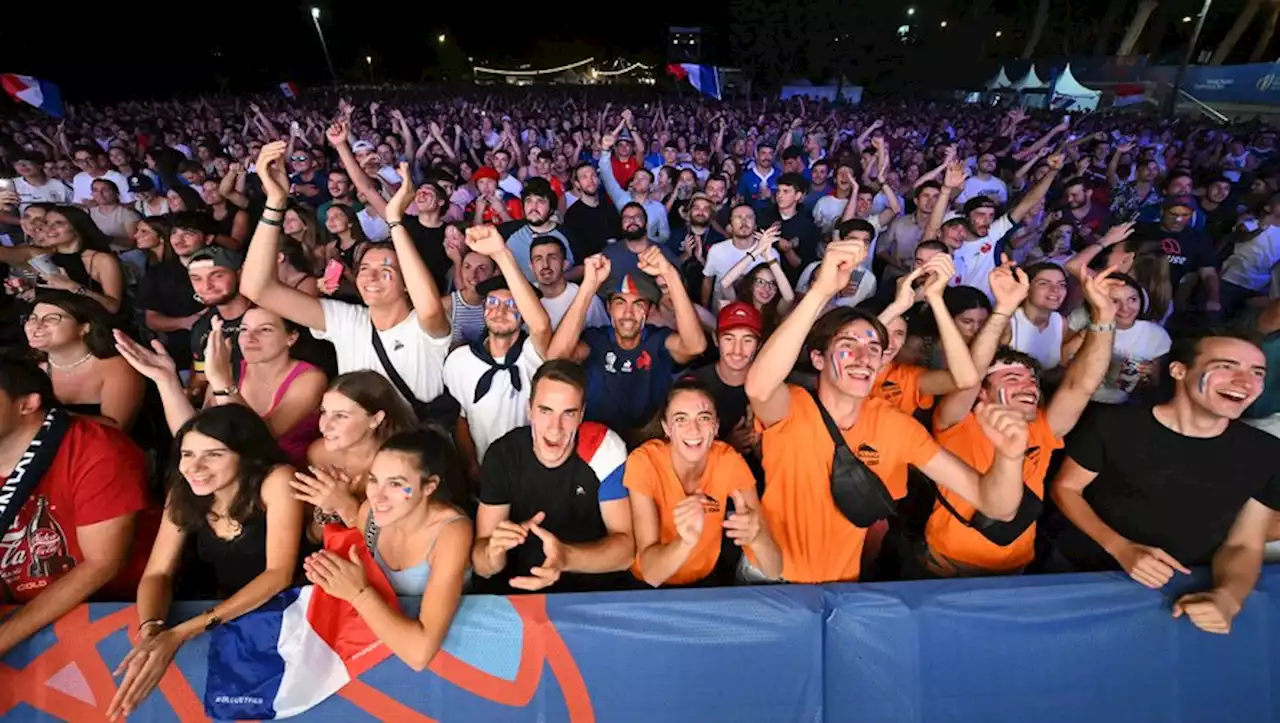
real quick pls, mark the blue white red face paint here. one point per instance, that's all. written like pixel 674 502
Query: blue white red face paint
pixel 838 358
pixel 1204 382
pixel 1004 397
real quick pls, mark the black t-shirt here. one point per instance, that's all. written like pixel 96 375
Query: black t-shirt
pixel 591 227
pixel 166 289
pixel 430 245
pixel 570 495
pixel 1157 487
pixel 731 402
pixel 799 227
pixel 200 337
pixel 1188 250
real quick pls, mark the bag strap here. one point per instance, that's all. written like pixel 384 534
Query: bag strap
pixel 949 507
pixel 32 465
pixel 832 429
pixel 389 369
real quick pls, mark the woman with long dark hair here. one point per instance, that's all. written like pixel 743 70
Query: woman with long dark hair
pixel 73 335
pixel 72 242
pixel 682 483
pixel 419 537
pixel 229 490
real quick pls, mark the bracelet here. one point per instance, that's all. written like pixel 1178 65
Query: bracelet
pixel 1001 313
pixel 153 621
pixel 1100 328
pixel 270 222
pixel 271 208
pixel 393 224
pixel 81 291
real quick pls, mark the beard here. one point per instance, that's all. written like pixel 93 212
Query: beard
pixel 634 234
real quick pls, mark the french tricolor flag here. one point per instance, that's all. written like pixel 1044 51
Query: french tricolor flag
pixel 295 651
pixel 706 78
pixel 289 90
pixel 40 93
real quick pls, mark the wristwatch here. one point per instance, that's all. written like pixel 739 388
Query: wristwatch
pixel 229 391
pixel 214 620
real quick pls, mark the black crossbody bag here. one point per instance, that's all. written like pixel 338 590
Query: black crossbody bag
pixel 443 410
pixel 858 492
pixel 1001 533
pixel 32 466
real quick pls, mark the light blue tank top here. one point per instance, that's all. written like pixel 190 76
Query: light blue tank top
pixel 411 581
pixel 467 321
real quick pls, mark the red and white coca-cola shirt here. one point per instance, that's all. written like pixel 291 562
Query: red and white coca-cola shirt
pixel 98 474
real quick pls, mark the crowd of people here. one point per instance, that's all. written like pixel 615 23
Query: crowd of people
pixel 545 342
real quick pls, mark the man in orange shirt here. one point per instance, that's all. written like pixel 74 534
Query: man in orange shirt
pixel 958 542
pixel 813 527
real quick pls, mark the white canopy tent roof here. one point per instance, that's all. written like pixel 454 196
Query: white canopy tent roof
pixel 999 82
pixel 1030 81
pixel 1075 95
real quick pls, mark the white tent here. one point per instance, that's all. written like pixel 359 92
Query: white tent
pixel 1030 81
pixel 999 82
pixel 1068 94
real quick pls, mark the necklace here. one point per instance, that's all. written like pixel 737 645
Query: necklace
pixel 72 365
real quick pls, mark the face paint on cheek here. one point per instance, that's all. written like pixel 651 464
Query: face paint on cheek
pixel 1203 384
pixel 406 491
pixel 1003 396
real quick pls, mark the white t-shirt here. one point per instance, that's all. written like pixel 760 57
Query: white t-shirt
pixel 1132 357
pixel 417 356
pixel 558 306
pixel 992 187
pixel 827 211
pixel 1045 345
pixel 502 408
pixel 375 229
pixel 1250 263
pixel 976 259
pixel 862 281
pixel 721 257
pixel 82 186
pixel 53 191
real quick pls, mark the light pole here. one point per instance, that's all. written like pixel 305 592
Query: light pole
pixel 315 19
pixel 1186 58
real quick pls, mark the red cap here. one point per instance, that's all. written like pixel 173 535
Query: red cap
pixel 740 315
pixel 484 172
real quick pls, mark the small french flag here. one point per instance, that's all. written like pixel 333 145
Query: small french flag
pixel 706 78
pixel 40 93
pixel 289 90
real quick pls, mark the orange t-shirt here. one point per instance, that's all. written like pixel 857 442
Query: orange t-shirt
pixel 818 543
pixel 649 472
pixel 954 540
pixel 899 384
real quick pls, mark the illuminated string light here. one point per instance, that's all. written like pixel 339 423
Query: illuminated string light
pixel 545 71
pixel 628 69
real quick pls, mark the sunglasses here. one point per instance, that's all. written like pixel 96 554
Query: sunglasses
pixel 298 158
pixel 495 302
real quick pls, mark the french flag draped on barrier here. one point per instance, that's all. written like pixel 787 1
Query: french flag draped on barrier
pixel 705 78
pixel 296 650
pixel 39 93
pixel 1049 649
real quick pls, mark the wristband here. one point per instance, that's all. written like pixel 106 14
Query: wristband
pixel 271 208
pixel 393 224
pixel 1100 328
pixel 270 222
pixel 153 621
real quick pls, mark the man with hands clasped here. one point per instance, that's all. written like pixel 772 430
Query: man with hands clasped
pixel 821 541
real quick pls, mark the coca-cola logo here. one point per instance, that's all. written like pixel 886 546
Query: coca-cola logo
pixel 45 543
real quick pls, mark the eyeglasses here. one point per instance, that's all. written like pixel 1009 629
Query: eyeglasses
pixel 298 158
pixel 766 283
pixel 44 322
pixel 494 302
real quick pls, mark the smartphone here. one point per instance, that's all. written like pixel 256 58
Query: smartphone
pixel 1250 225
pixel 332 273
pixel 6 184
pixel 44 264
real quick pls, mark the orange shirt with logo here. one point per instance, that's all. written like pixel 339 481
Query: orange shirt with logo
pixel 955 541
pixel 899 384
pixel 649 472
pixel 818 543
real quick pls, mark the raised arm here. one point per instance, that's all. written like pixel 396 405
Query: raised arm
pixel 259 279
pixel 566 343
pixel 486 240
pixel 689 341
pixel 338 133
pixel 418 281
pixel 960 372
pixel 1090 364
pixel 766 386
pixel 1037 192
pixel 953 181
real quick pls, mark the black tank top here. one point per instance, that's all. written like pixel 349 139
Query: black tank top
pixel 237 561
pixel 224 225
pixel 73 264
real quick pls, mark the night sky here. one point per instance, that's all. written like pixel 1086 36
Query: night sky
pixel 151 49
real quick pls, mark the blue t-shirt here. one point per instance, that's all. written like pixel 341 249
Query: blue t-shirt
pixel 623 260
pixel 625 386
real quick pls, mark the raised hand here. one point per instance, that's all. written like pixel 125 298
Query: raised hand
pixel 941 270
pixel 217 356
pixel 270 168
pixel 1010 286
pixel 1056 161
pixel 955 175
pixel 337 133
pixel 1097 291
pixel 485 239
pixel 399 203
pixel 654 263
pixel 839 263
pixel 154 363
pixel 595 270
pixel 1117 233
pixel 744 525
pixel 327 490
pixel 1006 429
